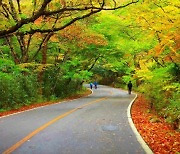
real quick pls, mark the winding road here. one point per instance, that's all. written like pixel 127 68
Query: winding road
pixel 96 124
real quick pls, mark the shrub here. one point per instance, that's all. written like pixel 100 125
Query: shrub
pixel 16 88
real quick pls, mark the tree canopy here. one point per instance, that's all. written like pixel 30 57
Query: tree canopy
pixel 53 46
pixel 51 15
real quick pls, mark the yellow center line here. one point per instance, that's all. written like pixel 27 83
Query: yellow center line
pixel 22 141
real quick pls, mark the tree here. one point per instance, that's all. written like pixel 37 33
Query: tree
pixel 15 17
pixel 156 67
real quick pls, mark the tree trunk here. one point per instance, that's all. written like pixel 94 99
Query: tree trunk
pixel 43 62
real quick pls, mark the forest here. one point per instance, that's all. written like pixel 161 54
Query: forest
pixel 49 48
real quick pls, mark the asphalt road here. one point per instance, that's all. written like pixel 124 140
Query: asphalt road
pixel 96 124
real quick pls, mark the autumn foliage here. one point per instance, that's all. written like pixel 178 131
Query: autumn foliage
pixel 49 48
pixel 160 136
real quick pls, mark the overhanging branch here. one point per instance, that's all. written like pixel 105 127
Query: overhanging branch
pixel 43 12
pixel 32 31
pixel 25 21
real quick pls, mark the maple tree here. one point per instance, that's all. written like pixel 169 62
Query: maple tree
pixel 24 21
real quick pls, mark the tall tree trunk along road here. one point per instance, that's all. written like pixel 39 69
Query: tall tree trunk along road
pixel 96 124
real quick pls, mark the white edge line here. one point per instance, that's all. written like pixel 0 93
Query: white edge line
pixel 138 136
pixel 46 105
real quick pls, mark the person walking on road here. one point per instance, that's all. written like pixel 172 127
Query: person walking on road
pixel 95 85
pixel 91 85
pixel 129 87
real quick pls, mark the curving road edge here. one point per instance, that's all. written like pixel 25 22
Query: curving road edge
pixel 138 136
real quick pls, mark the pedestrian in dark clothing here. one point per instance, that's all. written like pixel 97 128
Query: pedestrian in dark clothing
pixel 91 85
pixel 129 87
pixel 95 85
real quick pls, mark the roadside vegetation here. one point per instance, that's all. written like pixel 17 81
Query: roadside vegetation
pixel 49 48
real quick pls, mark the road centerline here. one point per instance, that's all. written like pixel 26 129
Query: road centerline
pixel 22 141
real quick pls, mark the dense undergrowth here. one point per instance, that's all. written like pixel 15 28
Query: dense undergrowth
pixel 20 86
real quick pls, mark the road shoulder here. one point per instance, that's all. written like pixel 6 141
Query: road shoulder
pixel 138 136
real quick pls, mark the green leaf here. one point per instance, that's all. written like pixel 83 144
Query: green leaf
pixel 23 16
